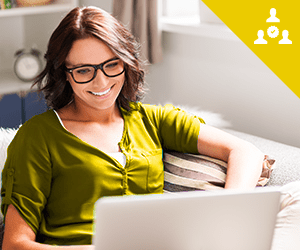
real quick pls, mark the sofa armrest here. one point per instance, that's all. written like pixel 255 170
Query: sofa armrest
pixel 287 165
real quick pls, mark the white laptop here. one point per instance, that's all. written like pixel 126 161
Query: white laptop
pixel 219 220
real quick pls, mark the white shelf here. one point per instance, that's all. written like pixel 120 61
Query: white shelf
pixel 56 6
pixel 10 83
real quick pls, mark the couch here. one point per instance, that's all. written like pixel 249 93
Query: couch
pixel 286 168
pixel 287 165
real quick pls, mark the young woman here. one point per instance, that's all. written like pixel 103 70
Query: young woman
pixel 98 139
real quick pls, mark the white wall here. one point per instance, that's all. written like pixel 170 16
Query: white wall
pixel 228 78
pixel 104 4
pixel 216 75
pixel 38 32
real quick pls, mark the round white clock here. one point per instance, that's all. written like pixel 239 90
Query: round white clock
pixel 27 65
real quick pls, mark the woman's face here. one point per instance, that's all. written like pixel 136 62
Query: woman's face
pixel 102 92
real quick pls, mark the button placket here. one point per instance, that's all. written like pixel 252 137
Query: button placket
pixel 124 180
pixel 10 182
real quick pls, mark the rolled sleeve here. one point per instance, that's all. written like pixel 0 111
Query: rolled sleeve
pixel 26 177
pixel 178 129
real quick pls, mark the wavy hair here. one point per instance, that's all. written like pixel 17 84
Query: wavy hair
pixel 82 23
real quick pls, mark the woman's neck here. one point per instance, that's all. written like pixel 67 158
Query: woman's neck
pixel 75 111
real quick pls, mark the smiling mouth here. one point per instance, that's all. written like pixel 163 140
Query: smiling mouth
pixel 101 93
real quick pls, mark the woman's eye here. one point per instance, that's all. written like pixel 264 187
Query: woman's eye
pixel 111 65
pixel 83 71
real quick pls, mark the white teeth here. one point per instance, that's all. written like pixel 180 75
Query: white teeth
pixel 101 93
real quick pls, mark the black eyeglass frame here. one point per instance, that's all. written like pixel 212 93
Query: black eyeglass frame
pixel 96 67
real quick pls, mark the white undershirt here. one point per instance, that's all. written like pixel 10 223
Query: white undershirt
pixel 119 156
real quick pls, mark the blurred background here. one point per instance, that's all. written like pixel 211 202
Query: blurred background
pixel 203 65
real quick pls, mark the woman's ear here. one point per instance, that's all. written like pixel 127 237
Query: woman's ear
pixel 68 77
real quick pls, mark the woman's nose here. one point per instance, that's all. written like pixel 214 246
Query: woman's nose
pixel 101 78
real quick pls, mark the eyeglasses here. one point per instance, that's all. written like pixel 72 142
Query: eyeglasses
pixel 86 73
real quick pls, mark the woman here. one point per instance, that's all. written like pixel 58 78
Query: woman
pixel 98 140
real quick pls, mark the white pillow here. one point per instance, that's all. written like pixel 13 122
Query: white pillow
pixel 6 136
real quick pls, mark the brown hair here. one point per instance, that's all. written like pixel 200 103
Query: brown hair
pixel 82 23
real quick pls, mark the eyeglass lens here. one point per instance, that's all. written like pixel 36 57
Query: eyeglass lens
pixel 86 73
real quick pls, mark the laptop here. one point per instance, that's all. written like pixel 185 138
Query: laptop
pixel 218 220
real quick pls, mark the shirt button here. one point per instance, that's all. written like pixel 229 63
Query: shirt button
pixel 11 172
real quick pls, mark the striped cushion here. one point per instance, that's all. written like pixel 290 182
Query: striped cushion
pixel 188 172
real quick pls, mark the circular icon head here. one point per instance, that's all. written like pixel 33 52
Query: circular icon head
pixel 273 12
pixel 285 34
pixel 260 34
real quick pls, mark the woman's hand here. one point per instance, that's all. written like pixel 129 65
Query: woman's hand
pixel 244 159
pixel 18 235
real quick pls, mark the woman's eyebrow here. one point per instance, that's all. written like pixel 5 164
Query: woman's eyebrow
pixel 70 65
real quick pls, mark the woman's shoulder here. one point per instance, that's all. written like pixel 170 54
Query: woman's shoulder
pixel 41 119
pixel 153 114
pixel 150 108
pixel 38 123
pixel 36 130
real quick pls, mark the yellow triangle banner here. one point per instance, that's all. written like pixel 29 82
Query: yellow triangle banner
pixel 271 29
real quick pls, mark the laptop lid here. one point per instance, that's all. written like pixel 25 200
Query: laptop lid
pixel 227 220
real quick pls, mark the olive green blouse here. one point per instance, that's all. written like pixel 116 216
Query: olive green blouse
pixel 54 179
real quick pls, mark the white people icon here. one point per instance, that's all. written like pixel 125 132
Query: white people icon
pixel 260 39
pixel 285 39
pixel 273 31
pixel 273 18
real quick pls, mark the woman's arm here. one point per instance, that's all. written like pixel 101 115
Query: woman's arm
pixel 18 235
pixel 244 159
